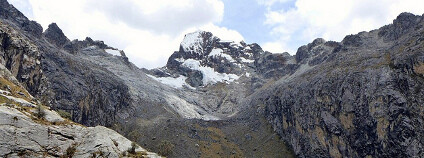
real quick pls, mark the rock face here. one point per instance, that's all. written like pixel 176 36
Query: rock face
pixel 360 97
pixel 55 35
pixel 21 57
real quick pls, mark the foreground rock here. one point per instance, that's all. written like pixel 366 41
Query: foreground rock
pixel 24 135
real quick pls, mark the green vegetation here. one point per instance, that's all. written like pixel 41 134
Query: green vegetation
pixel 165 148
pixel 40 113
pixel 15 90
pixel 131 150
pixel 132 153
pixel 65 114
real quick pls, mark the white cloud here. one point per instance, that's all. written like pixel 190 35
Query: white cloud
pixel 160 16
pixel 271 2
pixel 275 47
pixel 332 19
pixel 149 31
pixel 223 33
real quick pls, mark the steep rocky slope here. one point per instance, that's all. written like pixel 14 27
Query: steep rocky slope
pixel 28 129
pixel 359 97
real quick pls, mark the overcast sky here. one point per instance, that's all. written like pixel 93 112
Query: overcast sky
pixel 149 31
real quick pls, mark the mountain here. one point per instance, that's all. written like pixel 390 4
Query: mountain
pixel 359 97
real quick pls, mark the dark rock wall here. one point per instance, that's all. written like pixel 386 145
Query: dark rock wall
pixel 366 101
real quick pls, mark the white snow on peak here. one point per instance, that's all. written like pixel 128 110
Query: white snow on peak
pixel 226 41
pixel 244 60
pixel 216 51
pixel 179 59
pixel 247 74
pixel 210 76
pixel 113 52
pixel 178 82
pixel 193 42
pixel 238 45
pixel 219 52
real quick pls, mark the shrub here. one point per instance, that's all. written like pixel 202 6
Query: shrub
pixel 70 151
pixel 131 150
pixel 40 113
pixel 65 114
pixel 165 148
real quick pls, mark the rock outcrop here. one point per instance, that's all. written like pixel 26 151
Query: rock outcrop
pixel 13 15
pixel 55 35
pixel 24 135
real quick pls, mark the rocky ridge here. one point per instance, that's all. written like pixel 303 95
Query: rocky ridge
pixel 359 97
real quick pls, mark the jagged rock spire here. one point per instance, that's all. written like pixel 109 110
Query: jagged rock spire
pixel 55 35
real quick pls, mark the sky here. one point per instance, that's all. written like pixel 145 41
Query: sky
pixel 149 31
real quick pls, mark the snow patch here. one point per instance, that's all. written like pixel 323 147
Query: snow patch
pixel 193 42
pixel 244 60
pixel 215 52
pixel 219 52
pixel 226 41
pixel 237 45
pixel 210 76
pixel 247 74
pixel 181 60
pixel 239 65
pixel 113 52
pixel 178 82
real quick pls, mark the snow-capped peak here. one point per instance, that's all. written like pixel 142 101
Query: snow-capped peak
pixel 193 42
